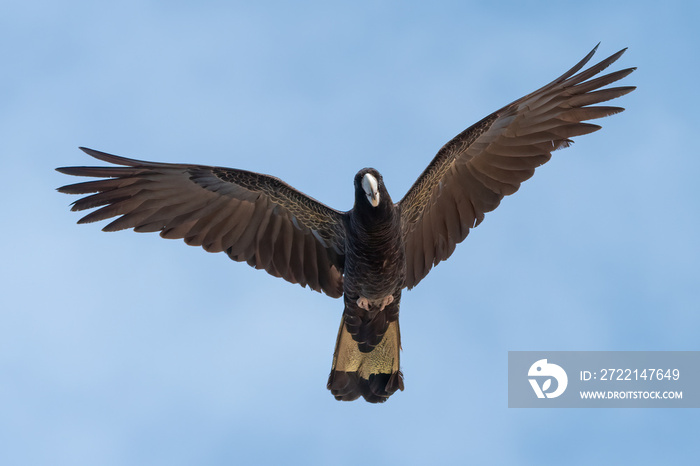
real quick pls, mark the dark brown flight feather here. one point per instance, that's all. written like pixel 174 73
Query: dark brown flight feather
pixel 254 218
pixel 472 173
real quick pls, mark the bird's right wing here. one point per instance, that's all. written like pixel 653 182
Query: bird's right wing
pixel 254 218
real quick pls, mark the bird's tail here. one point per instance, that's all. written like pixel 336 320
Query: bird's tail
pixel 373 374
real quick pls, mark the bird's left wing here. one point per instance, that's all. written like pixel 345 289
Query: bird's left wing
pixel 470 175
pixel 254 218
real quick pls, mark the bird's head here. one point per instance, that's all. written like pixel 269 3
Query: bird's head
pixel 369 187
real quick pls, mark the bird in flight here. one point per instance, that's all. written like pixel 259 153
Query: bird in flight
pixel 370 253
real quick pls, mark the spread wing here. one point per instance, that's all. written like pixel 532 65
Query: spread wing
pixel 254 218
pixel 470 175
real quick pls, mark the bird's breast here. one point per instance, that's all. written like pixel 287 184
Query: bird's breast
pixel 374 261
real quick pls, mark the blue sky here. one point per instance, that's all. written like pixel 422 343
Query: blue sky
pixel 124 348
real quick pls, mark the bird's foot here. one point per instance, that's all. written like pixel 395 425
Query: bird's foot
pixel 364 303
pixel 385 302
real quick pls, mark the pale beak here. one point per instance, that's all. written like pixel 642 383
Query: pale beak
pixel 371 187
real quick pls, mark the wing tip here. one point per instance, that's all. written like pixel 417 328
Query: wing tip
pixel 111 158
pixel 125 161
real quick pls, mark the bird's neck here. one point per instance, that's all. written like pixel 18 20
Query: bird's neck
pixel 374 220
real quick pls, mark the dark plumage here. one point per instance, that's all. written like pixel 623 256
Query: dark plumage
pixel 369 254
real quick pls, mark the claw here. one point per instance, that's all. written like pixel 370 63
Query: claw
pixel 386 301
pixel 363 303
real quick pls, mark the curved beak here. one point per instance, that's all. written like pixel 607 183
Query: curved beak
pixel 371 188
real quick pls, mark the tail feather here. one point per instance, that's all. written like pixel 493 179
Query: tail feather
pixel 367 327
pixel 374 375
